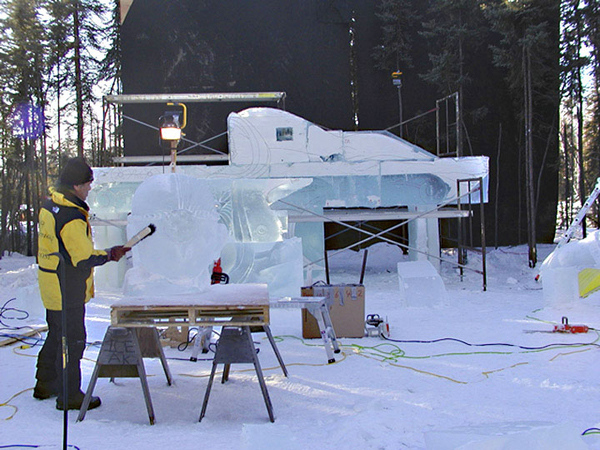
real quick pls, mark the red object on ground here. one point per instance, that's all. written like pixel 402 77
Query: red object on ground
pixel 565 327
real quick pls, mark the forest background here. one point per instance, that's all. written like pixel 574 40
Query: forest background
pixel 539 58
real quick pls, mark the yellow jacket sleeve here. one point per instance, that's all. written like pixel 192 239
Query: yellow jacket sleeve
pixel 77 240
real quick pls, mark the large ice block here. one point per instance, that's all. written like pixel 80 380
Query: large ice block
pixel 189 237
pixel 420 284
pixel 278 264
pixel 559 271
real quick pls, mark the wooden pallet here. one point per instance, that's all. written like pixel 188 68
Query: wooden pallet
pixel 178 316
pixel 233 305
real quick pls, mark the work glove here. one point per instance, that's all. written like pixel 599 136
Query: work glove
pixel 117 252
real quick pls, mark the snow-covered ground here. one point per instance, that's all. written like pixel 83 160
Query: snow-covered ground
pixel 528 393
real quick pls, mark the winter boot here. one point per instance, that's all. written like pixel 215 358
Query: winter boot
pixel 44 390
pixel 76 400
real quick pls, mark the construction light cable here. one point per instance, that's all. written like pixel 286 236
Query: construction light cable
pixel 7 331
pixel 184 345
pixel 543 347
pixel 4 309
pixel 33 446
pixel 7 404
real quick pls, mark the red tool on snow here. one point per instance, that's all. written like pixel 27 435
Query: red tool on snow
pixel 565 327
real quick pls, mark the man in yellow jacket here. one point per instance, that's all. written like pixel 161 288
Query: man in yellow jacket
pixel 64 228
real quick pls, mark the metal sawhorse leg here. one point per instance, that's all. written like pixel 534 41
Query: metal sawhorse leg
pixel 202 339
pixel 236 346
pixel 121 356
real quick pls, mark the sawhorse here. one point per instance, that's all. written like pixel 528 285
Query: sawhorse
pixel 202 339
pixel 121 356
pixel 236 346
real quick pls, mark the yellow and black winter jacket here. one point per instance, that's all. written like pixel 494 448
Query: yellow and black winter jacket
pixel 64 227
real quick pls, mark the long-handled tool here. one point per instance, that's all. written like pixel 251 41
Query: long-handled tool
pixel 64 349
pixel 141 235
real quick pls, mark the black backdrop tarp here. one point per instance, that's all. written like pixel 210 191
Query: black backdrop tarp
pixel 302 47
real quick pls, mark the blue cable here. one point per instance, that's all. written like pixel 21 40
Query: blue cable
pixel 490 344
pixel 32 446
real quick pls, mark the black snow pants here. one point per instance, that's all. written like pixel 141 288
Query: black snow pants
pixel 50 360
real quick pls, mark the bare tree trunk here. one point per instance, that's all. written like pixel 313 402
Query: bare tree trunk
pixel 78 80
pixel 579 93
pixel 497 193
pixel 4 204
pixel 582 196
pixel 567 186
pixel 459 134
pixel 29 189
pixel 530 197
pixel 58 112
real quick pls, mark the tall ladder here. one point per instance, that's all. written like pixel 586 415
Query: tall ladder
pixel 580 215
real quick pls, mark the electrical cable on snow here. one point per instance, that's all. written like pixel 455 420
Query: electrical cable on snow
pixel 543 347
pixel 488 372
pixel 20 315
pixel 424 372
pixel 569 353
pixel 7 404
pixel 33 446
pixel 4 309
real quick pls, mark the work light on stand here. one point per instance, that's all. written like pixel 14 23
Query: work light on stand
pixel 170 124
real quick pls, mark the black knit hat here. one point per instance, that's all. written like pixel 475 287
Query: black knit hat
pixel 76 171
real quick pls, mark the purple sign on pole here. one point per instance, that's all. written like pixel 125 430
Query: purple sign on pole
pixel 28 121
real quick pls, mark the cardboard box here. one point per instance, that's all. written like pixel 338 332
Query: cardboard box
pixel 347 310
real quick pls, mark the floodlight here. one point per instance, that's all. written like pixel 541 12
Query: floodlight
pixel 170 129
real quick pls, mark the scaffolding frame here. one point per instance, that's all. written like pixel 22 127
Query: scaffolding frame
pixel 462 247
pixel 443 133
pixel 213 97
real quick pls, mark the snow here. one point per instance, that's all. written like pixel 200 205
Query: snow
pixel 379 395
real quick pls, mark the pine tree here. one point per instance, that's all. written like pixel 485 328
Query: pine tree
pixel 525 52
pixel 59 46
pixel 400 23
pixel 78 66
pixel 591 17
pixel 22 57
pixel 574 64
pixel 110 71
pixel 454 29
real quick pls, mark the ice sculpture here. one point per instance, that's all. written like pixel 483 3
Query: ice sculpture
pixel 287 145
pixel 179 256
pixel 275 155
pixel 279 264
pixel 561 270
